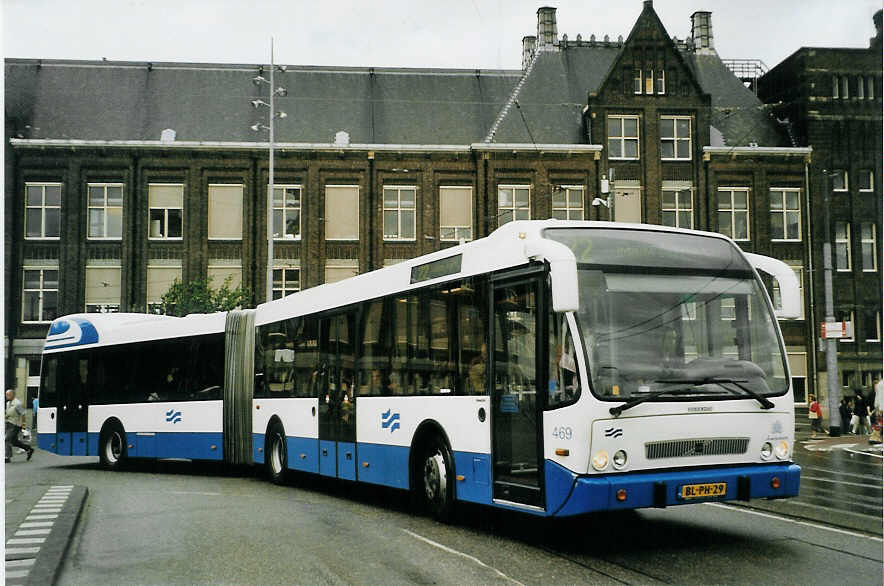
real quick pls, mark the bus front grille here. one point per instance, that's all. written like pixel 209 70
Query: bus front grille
pixel 696 447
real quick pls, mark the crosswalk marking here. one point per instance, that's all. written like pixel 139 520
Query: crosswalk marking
pixel 20 563
pixel 21 550
pixel 30 532
pixel 39 522
pixel 36 524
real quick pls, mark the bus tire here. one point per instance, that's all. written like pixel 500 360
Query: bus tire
pixel 112 446
pixel 436 480
pixel 276 454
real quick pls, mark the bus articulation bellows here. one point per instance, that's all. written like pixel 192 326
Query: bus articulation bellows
pixel 553 367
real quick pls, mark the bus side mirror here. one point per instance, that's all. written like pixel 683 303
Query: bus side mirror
pixel 788 283
pixel 562 272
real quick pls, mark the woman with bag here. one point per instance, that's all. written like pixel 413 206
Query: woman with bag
pixel 815 414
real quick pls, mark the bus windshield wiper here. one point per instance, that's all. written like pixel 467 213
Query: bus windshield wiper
pixel 740 389
pixel 616 411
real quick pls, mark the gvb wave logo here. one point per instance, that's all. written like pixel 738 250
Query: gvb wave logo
pixel 613 432
pixel 390 420
pixel 173 416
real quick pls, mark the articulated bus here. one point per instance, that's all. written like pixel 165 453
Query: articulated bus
pixel 554 367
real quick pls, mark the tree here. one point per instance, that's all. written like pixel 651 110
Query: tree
pixel 197 296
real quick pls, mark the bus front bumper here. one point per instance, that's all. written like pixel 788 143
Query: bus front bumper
pixel 574 495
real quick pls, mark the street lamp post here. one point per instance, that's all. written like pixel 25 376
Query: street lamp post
pixel 831 347
pixel 270 128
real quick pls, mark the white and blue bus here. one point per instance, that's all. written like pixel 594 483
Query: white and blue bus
pixel 553 367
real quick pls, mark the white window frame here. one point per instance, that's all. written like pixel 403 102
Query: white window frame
pixel 676 139
pixel 870 94
pixel 843 241
pixel 43 207
pixel 165 222
pixel 241 210
pixel 41 291
pixel 328 219
pixel 285 210
pixel 637 83
pixel 457 228
pixel 836 87
pixel 851 329
pixel 781 193
pixel 871 243
pixel 845 186
pixel 649 78
pixel 514 208
pixel 104 209
pixel 284 287
pixel 622 138
pixel 660 82
pixel 845 87
pixel 571 212
pixel 733 212
pixel 877 330
pixel 102 307
pixel 870 175
pixel 679 208
pixel 860 87
pixel 398 209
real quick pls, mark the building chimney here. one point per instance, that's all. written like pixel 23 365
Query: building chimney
pixel 701 32
pixel 875 42
pixel 529 45
pixel 547 33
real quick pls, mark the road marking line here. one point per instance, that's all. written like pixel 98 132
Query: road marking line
pixel 861 453
pixel 21 550
pixel 788 520
pixel 67 486
pixel 28 532
pixel 20 563
pixel 196 493
pixel 28 541
pixel 818 479
pixel 460 553
pixel 37 524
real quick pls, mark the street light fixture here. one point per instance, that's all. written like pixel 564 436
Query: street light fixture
pixel 259 80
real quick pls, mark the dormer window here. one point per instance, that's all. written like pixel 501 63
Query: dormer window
pixel 649 81
pixel 661 81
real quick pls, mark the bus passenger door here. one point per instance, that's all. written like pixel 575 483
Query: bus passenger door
pixel 337 407
pixel 73 407
pixel 517 397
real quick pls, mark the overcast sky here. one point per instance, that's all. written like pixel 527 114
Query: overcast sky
pixel 399 33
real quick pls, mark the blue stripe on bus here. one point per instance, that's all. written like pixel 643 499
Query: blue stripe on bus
pixel 568 494
pixel 476 471
pixel 193 446
pixel 384 465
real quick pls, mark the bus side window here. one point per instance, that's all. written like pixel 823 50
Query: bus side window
pixel 49 381
pixel 564 380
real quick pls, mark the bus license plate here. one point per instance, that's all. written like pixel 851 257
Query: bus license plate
pixel 702 491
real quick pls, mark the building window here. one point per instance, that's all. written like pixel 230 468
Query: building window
pixel 842 246
pixel 166 203
pixel 286 280
pixel 338 269
pixel 860 87
pixel 513 203
pixel 40 294
pixel 785 214
pixel 623 137
pixel 847 317
pixel 839 180
pixel 160 276
pixel 870 93
pixel 455 213
pixel 871 325
pixel 567 202
pixel 225 212
pixel 733 212
pixel 105 211
pixel 649 82
pixel 777 297
pixel 224 272
pixel 661 82
pixel 675 137
pixel 42 210
pixel 678 208
pixel 637 82
pixel 342 212
pixel 835 87
pixel 844 84
pixel 103 288
pixel 869 242
pixel 866 180
pixel 399 216
pixel 286 212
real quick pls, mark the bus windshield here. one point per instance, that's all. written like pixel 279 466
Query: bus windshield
pixel 678 311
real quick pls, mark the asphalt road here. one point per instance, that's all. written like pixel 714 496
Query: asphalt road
pixel 182 523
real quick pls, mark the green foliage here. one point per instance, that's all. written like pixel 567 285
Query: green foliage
pixel 197 296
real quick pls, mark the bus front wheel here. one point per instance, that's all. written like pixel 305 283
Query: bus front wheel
pixel 112 446
pixel 437 480
pixel 276 454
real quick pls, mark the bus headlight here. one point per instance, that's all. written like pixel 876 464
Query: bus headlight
pixel 782 450
pixel 619 459
pixel 766 451
pixel 600 460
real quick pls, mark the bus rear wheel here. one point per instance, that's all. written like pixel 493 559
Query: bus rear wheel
pixel 276 454
pixel 436 486
pixel 112 446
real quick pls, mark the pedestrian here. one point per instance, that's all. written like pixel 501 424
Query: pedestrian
pixel 878 406
pixel 815 414
pixel 860 423
pixel 844 410
pixel 15 415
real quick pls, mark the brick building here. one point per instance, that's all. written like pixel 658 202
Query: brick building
pixel 121 176
pixel 832 99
